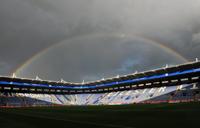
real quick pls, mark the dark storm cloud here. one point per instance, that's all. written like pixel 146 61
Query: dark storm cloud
pixel 24 30
pixel 28 26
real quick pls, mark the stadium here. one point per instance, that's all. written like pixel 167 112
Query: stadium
pixel 169 88
pixel 99 63
pixel 173 84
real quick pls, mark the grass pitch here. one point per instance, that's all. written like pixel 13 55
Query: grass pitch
pixel 182 115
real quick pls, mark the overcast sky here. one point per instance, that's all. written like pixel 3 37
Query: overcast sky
pixel 29 26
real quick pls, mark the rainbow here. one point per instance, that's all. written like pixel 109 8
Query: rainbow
pixel 152 41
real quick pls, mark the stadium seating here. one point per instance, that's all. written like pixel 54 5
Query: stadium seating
pixel 183 93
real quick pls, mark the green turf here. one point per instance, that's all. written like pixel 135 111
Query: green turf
pixel 127 116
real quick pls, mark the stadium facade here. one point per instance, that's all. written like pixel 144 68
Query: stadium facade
pixel 178 83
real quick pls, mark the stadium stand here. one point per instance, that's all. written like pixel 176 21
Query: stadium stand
pixel 168 85
pixel 173 94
